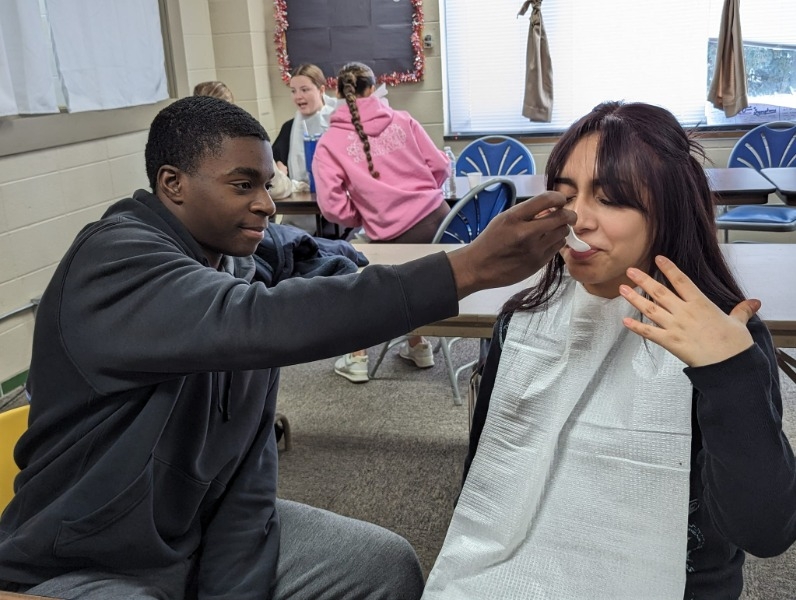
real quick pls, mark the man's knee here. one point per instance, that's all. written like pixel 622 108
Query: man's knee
pixel 349 558
pixel 397 569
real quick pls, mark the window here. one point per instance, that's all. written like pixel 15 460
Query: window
pixel 35 132
pixel 771 83
pixel 635 51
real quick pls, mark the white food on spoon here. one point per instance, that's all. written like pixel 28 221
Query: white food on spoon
pixel 576 243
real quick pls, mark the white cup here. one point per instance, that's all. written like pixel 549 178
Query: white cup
pixel 474 179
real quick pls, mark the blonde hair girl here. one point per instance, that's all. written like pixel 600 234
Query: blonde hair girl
pixel 307 88
pixel 215 89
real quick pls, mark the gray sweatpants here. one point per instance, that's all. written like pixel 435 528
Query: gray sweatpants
pixel 321 555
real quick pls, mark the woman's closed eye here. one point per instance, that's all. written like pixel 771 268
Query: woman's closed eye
pixel 569 193
pixel 571 196
pixel 606 201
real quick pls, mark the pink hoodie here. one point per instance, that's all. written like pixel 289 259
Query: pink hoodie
pixel 411 171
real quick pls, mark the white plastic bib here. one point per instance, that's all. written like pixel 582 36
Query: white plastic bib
pixel 579 488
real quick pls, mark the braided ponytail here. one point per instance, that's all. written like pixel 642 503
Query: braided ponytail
pixel 352 81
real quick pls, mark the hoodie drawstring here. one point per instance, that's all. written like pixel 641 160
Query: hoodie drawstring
pixel 222 381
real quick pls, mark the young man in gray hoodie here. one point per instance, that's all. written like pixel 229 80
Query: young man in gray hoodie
pixel 149 469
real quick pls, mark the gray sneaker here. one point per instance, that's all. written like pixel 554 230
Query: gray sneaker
pixel 353 368
pixel 421 354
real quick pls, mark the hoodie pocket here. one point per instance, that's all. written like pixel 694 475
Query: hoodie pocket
pixel 119 531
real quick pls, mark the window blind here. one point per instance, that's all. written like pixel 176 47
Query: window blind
pixel 628 50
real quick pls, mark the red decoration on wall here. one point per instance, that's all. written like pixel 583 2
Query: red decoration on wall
pixel 280 40
pixel 394 78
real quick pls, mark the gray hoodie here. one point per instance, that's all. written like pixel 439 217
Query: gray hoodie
pixel 153 388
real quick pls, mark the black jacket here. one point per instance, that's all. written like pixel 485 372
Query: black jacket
pixel 743 476
pixel 153 388
pixel 288 251
pixel 281 145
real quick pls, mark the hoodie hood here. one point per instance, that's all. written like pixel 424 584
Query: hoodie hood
pixel 373 113
pixel 147 207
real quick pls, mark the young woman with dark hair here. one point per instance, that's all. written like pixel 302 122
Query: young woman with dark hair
pixel 643 155
pixel 399 201
pixel 378 169
pixel 627 438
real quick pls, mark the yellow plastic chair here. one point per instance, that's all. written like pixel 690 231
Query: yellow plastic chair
pixel 13 424
pixel 13 596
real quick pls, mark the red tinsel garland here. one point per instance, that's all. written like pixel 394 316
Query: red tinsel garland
pixel 394 78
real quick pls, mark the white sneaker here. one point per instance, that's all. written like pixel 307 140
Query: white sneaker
pixel 353 368
pixel 420 354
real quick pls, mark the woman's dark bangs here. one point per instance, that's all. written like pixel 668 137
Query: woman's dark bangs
pixel 619 167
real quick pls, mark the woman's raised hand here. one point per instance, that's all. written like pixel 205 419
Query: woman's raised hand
pixel 687 324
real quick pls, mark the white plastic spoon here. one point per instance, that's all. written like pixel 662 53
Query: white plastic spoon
pixel 576 243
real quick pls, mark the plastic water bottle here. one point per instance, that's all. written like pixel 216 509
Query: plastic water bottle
pixel 449 187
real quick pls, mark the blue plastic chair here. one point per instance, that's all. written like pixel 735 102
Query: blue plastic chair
pixel 768 145
pixel 473 211
pixel 495 155
pixel 465 221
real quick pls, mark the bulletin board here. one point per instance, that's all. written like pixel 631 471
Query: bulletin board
pixel 383 34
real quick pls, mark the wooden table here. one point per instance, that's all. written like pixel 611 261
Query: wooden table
pixel 764 271
pixel 300 203
pixel 784 178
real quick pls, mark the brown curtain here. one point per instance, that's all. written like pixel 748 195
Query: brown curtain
pixel 538 102
pixel 728 88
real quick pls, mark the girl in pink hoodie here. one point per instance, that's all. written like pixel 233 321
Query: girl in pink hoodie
pixel 378 169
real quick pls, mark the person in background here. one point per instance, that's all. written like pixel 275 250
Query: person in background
pixel 314 108
pixel 627 437
pixel 215 89
pixel 377 168
pixel 149 467
pixel 281 186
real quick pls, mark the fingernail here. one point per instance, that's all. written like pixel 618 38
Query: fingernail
pixel 661 260
pixel 633 273
pixel 624 290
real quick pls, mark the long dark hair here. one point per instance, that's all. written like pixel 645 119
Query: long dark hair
pixel 646 160
pixel 353 80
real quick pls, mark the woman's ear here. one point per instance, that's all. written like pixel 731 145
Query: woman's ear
pixel 323 89
pixel 169 182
